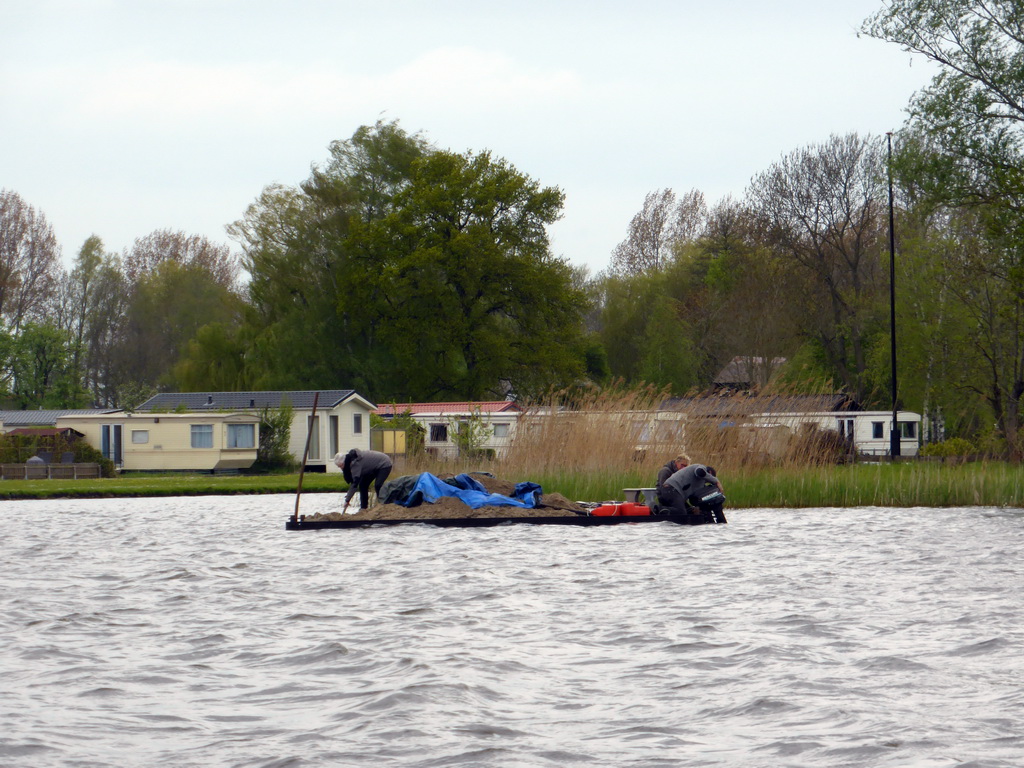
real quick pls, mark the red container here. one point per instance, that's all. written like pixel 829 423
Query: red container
pixel 631 509
pixel 624 509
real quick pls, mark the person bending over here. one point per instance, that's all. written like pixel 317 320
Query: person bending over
pixel 361 468
pixel 680 461
pixel 686 484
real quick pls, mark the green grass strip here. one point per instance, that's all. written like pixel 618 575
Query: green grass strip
pixel 909 484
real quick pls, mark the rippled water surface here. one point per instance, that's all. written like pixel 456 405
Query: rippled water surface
pixel 198 632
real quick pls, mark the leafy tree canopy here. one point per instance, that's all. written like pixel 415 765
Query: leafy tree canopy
pixel 414 274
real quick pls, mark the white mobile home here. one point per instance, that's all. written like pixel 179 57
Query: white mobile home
pixel 867 431
pixel 170 442
pixel 442 421
pixel 341 421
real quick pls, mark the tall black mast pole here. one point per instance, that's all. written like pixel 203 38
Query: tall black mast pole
pixel 894 433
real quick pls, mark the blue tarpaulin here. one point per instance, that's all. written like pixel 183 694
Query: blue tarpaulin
pixel 429 488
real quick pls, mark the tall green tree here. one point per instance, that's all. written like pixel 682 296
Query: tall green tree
pixel 90 305
pixel 298 246
pixel 963 155
pixel 214 360
pixel 667 356
pixel 169 306
pixel 647 331
pixel 42 369
pixel 412 274
pixel 972 113
pixel 473 302
pixel 823 208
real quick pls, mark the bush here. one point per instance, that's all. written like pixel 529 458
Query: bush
pixel 955 446
pixel 822 447
pixel 479 454
pixel 275 432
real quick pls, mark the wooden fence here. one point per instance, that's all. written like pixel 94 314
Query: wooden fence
pixel 77 471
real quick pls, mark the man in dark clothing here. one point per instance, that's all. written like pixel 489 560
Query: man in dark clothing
pixel 361 468
pixel 665 473
pixel 689 482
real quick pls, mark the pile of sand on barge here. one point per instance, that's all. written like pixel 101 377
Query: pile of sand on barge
pixel 552 505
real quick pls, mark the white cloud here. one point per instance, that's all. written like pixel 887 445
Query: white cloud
pixel 171 95
pixel 185 110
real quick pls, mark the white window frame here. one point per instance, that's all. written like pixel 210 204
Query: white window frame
pixel 112 443
pixel 203 431
pixel 249 430
pixel 313 429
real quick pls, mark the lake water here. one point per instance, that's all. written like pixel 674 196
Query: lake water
pixel 198 632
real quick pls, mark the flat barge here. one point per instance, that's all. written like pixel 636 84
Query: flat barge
pixel 303 523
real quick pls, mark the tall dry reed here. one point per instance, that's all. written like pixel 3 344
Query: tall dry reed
pixel 637 429
pixel 592 445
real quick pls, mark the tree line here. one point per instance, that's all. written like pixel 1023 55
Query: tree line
pixel 414 273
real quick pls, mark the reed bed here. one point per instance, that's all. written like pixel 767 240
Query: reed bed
pixel 592 446
pixel 905 484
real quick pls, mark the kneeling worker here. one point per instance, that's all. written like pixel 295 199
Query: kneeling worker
pixel 679 462
pixel 686 484
pixel 361 468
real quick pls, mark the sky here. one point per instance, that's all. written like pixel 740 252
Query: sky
pixel 121 117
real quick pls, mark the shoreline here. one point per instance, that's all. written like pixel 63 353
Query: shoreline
pixel 984 484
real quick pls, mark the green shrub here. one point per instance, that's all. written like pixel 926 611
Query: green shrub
pixel 954 447
pixel 275 433
pixel 478 454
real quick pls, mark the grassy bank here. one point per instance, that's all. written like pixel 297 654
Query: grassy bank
pixel 168 485
pixel 908 484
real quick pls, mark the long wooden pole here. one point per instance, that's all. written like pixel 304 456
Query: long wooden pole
pixel 305 455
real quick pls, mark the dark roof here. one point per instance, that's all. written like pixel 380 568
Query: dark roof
pixel 234 401
pixel 46 432
pixel 45 418
pixel 735 405
pixel 488 406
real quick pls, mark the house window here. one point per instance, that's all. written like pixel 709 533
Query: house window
pixel 501 430
pixel 313 425
pixel 877 430
pixel 439 433
pixel 140 436
pixel 357 423
pixel 333 436
pixel 202 435
pixel 241 435
pixel 908 429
